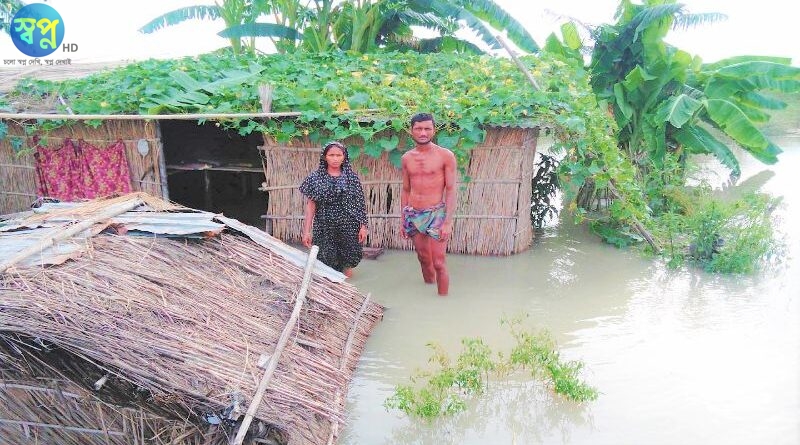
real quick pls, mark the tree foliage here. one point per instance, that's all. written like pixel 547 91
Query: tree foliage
pixel 669 105
pixel 361 26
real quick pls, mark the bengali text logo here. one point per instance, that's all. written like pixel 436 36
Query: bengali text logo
pixel 37 30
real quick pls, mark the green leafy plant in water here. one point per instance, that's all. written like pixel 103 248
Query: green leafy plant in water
pixel 733 236
pixel 747 237
pixel 445 391
pixel 538 353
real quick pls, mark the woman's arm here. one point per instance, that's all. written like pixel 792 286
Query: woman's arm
pixel 308 219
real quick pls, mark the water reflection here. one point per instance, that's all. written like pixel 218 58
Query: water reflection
pixel 680 356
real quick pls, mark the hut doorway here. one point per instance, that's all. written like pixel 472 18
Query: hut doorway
pixel 213 169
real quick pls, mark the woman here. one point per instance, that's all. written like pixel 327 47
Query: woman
pixel 335 205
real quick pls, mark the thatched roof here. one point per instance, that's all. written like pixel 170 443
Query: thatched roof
pixel 168 311
pixel 10 76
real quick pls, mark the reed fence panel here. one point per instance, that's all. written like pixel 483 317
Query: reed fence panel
pixel 18 171
pixel 493 212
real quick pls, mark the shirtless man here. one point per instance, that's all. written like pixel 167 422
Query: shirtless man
pixel 428 200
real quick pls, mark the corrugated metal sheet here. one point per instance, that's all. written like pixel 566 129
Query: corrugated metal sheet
pixel 14 242
pixel 18 234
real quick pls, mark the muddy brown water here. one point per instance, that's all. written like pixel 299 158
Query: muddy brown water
pixel 679 356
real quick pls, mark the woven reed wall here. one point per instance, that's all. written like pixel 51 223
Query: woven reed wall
pixel 18 173
pixel 493 214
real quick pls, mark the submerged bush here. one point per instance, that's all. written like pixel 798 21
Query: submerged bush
pixel 445 390
pixel 721 236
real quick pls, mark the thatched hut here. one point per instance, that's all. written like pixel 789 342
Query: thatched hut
pixel 493 215
pixel 131 320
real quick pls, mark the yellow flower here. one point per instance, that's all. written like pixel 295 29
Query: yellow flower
pixel 342 106
pixel 103 104
pixel 388 79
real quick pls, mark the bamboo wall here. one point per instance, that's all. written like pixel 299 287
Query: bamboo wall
pixel 18 173
pixel 493 214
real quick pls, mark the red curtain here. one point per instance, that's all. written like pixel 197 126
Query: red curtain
pixel 81 171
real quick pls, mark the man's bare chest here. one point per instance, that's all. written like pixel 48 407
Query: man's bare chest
pixel 425 165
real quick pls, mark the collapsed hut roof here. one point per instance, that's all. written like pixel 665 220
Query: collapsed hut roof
pixel 159 308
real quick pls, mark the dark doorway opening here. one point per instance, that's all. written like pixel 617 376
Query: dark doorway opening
pixel 214 169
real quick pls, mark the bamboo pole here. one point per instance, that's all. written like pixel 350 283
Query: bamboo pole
pixel 25 423
pixel 66 232
pixel 188 116
pixel 284 338
pixel 519 64
pixel 265 96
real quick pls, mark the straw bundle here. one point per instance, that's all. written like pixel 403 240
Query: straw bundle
pixel 18 174
pixel 187 321
pixel 493 214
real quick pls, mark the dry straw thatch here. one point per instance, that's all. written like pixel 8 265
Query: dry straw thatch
pixel 18 171
pixel 493 214
pixel 153 336
pixel 10 76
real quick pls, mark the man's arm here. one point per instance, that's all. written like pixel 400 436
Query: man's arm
pixel 405 191
pixel 449 193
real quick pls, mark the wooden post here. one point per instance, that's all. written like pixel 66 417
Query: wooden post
pixel 207 201
pixel 162 163
pixel 284 338
pixel 265 95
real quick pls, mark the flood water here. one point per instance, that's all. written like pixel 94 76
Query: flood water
pixel 679 356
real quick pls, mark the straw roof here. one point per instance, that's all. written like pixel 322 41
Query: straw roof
pixel 166 312
pixel 9 76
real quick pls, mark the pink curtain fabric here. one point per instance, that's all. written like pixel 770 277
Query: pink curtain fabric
pixel 54 171
pixel 103 171
pixel 80 170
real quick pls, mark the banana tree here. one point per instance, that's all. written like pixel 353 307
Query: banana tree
pixel 729 97
pixel 232 12
pixel 666 101
pixel 292 25
pixel 367 25
pixel 485 17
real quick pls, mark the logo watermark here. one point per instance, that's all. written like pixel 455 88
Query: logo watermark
pixel 37 30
